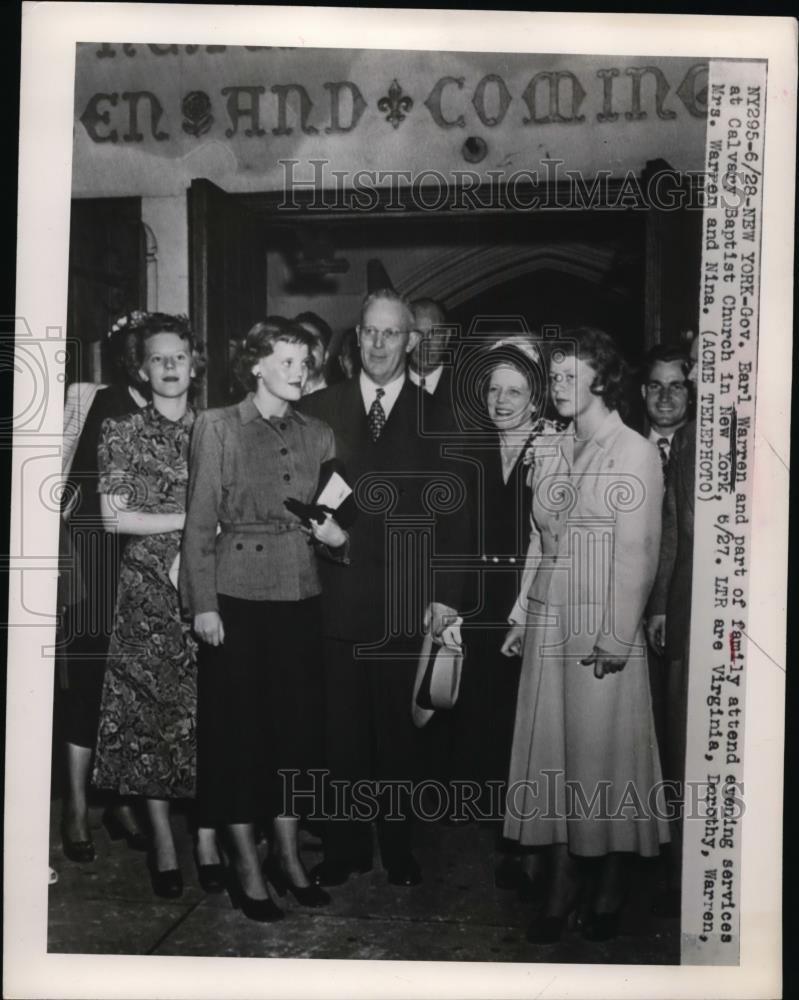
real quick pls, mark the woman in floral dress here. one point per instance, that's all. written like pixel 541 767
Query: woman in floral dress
pixel 146 742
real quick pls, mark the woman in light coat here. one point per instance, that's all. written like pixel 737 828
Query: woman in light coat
pixel 584 764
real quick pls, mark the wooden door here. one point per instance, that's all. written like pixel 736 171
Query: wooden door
pixel 107 278
pixel 227 281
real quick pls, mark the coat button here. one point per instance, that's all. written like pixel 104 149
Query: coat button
pixel 283 427
pixel 284 451
pixel 239 546
pixel 259 548
pixel 286 477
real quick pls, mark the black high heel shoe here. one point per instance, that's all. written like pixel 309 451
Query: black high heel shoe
pixel 166 884
pixel 308 895
pixel 116 829
pixel 81 851
pixel 211 877
pixel 266 911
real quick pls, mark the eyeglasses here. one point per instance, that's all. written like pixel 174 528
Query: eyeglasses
pixel 672 389
pixel 559 378
pixel 389 335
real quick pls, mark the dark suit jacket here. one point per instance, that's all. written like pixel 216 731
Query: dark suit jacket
pixel 392 480
pixel 671 594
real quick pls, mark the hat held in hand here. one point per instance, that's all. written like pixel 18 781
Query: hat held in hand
pixel 438 675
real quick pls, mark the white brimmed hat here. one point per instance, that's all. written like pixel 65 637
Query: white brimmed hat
pixel 438 680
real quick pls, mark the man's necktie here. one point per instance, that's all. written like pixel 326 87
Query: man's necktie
pixel 377 416
pixel 663 448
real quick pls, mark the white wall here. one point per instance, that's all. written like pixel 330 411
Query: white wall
pixel 167 221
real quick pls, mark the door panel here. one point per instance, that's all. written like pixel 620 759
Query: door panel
pixel 227 287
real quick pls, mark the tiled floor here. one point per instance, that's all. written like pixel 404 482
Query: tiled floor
pixel 107 907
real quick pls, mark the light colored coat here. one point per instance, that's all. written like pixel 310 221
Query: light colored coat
pixel 592 560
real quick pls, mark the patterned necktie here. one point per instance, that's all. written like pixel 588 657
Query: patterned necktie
pixel 377 416
pixel 663 448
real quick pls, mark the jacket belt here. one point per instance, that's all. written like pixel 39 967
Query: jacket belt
pixel 273 527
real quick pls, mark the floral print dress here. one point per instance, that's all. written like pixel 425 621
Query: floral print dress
pixel 146 743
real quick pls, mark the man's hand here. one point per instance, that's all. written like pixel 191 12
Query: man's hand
pixel 514 641
pixel 208 628
pixel 604 663
pixel 437 617
pixel 656 633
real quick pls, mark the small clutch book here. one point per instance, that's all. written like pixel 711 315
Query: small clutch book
pixel 333 496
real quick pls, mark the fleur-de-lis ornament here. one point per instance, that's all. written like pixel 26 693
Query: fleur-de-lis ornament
pixel 196 108
pixel 396 103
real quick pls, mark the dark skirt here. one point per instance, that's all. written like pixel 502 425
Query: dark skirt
pixel 259 711
pixel 89 576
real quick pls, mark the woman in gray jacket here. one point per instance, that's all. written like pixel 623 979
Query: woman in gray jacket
pixel 249 579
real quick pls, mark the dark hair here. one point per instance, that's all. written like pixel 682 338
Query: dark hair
pixel 124 364
pixel 260 343
pixel 596 348
pixel 426 305
pixel 664 354
pixel 347 352
pixel 148 325
pixel 316 321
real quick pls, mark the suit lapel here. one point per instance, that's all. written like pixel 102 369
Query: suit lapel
pixel 402 419
pixel 353 430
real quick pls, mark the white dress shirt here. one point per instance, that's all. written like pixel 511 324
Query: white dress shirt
pixel 654 437
pixel 391 391
pixel 431 379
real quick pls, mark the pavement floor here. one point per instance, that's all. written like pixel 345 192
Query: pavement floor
pixel 456 914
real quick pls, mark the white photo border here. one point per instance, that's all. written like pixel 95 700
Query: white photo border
pixel 50 32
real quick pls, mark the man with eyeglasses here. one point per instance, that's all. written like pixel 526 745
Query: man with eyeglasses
pixel 666 396
pixel 386 431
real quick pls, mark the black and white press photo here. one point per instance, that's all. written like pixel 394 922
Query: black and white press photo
pixel 399 513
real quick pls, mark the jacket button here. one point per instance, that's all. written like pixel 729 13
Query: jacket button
pixel 286 477
pixel 259 548
pixel 283 427
pixel 239 545
pixel 284 451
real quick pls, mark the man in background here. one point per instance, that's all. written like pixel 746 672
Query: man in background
pixel 426 366
pixel 668 626
pixel 322 335
pixel 666 396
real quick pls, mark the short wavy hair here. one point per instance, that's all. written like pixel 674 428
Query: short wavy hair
pixel 146 325
pixel 260 343
pixel 389 295
pixel 522 357
pixel 598 349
